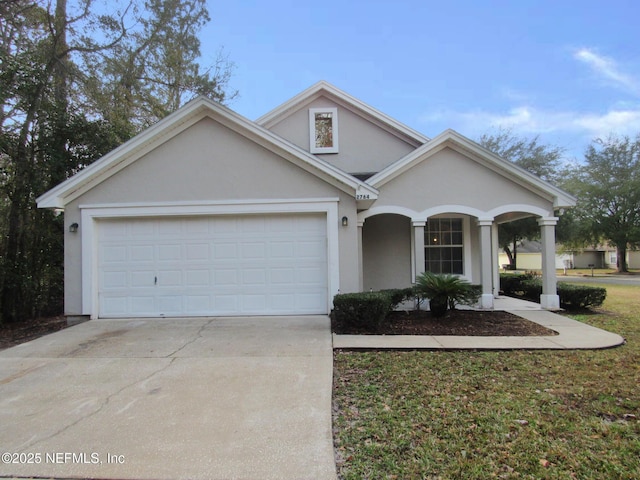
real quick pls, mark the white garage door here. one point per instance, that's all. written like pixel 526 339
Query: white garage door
pixel 221 265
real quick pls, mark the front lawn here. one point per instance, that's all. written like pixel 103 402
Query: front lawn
pixel 520 414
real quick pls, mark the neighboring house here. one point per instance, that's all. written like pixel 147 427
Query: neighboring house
pixel 610 257
pixel 529 257
pixel 208 213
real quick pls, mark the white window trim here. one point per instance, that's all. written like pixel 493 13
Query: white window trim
pixel 91 214
pixel 467 273
pixel 312 130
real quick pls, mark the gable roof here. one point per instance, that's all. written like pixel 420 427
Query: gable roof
pixel 180 120
pixel 323 88
pixel 452 139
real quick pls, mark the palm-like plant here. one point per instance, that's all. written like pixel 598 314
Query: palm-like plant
pixel 445 291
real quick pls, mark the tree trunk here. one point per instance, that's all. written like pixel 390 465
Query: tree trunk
pixel 511 265
pixel 621 262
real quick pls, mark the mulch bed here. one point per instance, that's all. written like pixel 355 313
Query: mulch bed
pixel 12 334
pixel 455 322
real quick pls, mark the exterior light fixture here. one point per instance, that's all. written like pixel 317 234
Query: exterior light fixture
pixel 345 222
pixel 73 228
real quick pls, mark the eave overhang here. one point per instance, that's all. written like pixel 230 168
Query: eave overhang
pixel 194 111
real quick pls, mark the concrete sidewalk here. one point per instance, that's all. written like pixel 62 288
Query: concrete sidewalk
pixel 571 335
pixel 234 398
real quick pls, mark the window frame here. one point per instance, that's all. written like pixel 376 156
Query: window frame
pixel 466 243
pixel 312 130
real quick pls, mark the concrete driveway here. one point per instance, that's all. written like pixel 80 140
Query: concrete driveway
pixel 223 398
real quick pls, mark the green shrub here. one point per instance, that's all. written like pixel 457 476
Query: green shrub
pixel 444 291
pixel 580 296
pixel 529 287
pixel 511 283
pixel 399 295
pixel 366 310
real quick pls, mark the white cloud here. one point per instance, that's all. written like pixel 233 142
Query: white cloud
pixel 527 120
pixel 609 69
pixel 572 130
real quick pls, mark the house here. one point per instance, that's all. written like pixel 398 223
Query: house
pixel 529 257
pixel 207 213
pixel 600 256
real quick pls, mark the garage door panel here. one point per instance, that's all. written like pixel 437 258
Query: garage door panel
pixel 143 228
pixel 224 226
pixel 198 303
pixel 114 279
pixel 197 227
pixel 252 277
pixel 115 253
pixel 198 278
pixel 226 277
pixel 226 304
pixel 253 304
pixel 170 278
pixel 253 250
pixel 253 265
pixel 225 251
pixel 311 300
pixel 281 249
pixel 200 252
pixel 308 276
pixel 142 278
pixel 115 306
pixel 309 249
pixel 169 227
pixel 170 252
pixel 170 304
pixel 116 230
pixel 282 276
pixel 141 304
pixel 141 253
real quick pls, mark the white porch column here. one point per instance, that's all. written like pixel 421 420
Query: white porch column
pixel 495 246
pixel 418 248
pixel 549 298
pixel 486 301
pixel 360 258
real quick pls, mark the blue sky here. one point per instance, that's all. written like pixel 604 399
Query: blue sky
pixel 568 71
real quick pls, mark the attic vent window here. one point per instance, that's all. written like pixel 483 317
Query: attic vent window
pixel 323 128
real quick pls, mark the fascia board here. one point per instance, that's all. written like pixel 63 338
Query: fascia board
pixel 173 124
pixel 347 101
pixel 451 138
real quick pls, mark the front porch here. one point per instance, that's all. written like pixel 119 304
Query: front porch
pixel 396 245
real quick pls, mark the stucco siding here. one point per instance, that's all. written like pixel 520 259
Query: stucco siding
pixel 449 178
pixel 208 162
pixel 386 246
pixel 205 163
pixel 72 264
pixel 363 146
